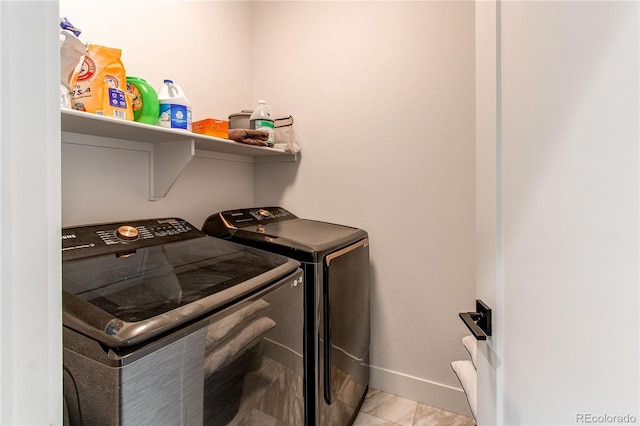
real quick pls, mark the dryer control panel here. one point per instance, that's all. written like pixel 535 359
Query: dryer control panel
pixel 95 240
pixel 250 217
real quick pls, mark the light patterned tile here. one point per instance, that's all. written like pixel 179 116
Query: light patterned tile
pixel 352 393
pixel 365 419
pixel 276 400
pixel 432 416
pixel 390 407
pixel 258 418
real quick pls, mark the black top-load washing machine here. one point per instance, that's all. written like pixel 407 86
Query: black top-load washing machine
pixel 164 325
pixel 335 260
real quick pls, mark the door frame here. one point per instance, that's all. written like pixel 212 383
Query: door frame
pixel 30 218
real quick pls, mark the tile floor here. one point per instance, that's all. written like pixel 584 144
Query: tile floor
pixel 384 409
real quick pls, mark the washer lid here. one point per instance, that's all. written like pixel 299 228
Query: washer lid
pixel 310 233
pixel 301 239
pixel 277 230
pixel 123 299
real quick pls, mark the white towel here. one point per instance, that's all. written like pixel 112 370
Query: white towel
pixel 468 377
pixel 471 345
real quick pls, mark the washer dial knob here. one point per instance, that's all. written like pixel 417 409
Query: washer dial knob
pixel 127 233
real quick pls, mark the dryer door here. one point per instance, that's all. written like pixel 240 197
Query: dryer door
pixel 346 324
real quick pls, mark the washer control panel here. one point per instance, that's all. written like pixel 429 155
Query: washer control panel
pixel 94 240
pixel 251 217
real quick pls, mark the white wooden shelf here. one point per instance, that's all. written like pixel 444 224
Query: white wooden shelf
pixel 171 149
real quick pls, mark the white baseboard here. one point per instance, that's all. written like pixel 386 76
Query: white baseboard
pixel 430 393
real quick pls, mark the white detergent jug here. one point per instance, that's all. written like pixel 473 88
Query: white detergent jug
pixel 261 120
pixel 175 108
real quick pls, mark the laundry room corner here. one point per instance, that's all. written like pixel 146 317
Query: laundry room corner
pixel 383 105
pixel 383 98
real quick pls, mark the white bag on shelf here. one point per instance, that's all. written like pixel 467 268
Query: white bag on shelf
pixel 285 138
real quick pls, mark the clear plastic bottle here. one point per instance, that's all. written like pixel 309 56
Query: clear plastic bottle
pixel 261 120
pixel 175 108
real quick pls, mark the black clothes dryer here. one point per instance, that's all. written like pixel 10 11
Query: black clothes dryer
pixel 335 261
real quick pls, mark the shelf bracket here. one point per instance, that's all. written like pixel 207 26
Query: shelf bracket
pixel 168 159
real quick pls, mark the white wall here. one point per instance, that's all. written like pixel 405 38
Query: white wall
pixel 383 99
pixel 204 46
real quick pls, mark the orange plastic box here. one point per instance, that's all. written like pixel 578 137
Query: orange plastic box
pixel 211 127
